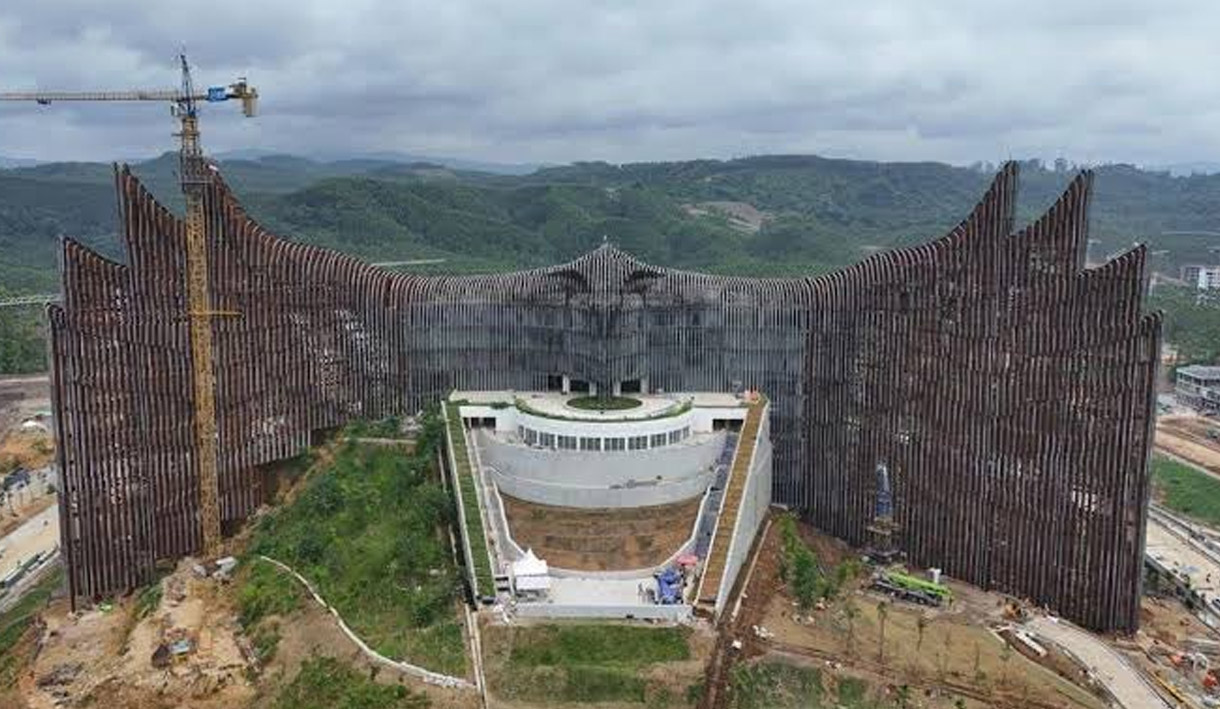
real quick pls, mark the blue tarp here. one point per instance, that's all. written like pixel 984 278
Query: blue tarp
pixel 669 586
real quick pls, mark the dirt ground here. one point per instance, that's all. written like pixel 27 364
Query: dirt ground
pixel 22 396
pixel 957 654
pixel 26 449
pixel 1169 631
pixel 602 539
pixel 742 216
pixel 1187 437
pixel 104 659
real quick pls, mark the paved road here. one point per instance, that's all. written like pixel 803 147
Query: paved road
pixel 1123 680
pixel 1177 552
pixel 28 582
pixel 39 533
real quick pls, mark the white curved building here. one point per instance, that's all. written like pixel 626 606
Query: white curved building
pixel 608 498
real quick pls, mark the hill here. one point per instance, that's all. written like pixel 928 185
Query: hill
pixel 766 215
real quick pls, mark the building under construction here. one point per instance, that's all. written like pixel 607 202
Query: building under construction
pixel 1007 390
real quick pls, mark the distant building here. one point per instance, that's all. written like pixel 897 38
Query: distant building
pixel 1198 386
pixel 1202 277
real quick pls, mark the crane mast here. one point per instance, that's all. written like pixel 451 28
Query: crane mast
pixel 194 175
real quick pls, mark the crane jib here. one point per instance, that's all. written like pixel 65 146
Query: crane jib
pixel 217 93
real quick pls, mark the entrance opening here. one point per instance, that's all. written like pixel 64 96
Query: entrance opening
pixel 630 386
pixel 554 382
pixel 579 386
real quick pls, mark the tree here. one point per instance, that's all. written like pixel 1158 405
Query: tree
pixel 851 612
pixel 882 614
pixel 804 578
pixel 943 657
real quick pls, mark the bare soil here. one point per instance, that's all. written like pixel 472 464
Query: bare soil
pixel 106 657
pixel 1168 631
pixel 21 396
pixel 1187 437
pixel 742 216
pixel 601 539
pixel 958 656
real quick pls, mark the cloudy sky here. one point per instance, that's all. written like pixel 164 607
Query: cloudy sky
pixel 562 80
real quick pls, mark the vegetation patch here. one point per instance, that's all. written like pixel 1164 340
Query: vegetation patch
pixel 367 531
pixel 17 621
pixel 1186 490
pixel 604 403
pixel 780 685
pixel 327 683
pixel 523 406
pixel 390 427
pixel 481 557
pixel 1192 322
pixel 266 591
pixel 775 685
pixel 807 582
pixel 584 663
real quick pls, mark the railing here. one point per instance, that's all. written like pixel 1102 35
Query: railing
pixel 20 300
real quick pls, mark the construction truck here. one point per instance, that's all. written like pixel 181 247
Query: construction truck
pixel 912 588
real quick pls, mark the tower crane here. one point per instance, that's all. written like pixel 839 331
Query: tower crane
pixel 194 174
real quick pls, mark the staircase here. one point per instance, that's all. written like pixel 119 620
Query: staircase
pixel 718 555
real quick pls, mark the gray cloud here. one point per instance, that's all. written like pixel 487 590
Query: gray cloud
pixel 545 80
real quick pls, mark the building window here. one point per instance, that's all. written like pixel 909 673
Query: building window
pixel 675 436
pixel 686 433
pixel 615 444
pixel 658 440
pixel 567 442
pixel 590 444
pixel 638 443
pixel 531 436
pixel 546 440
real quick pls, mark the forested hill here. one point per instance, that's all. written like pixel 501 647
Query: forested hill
pixel 761 215
pixel 772 215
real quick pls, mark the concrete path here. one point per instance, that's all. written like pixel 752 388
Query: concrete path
pixel 1124 682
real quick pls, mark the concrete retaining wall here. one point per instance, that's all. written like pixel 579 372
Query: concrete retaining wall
pixel 601 479
pixel 680 613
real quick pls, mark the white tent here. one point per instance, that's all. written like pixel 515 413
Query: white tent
pixel 531 573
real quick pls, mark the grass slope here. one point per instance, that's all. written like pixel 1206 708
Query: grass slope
pixel 327 683
pixel 779 685
pixel 582 663
pixel 484 583
pixel 1186 490
pixel 368 533
pixel 15 622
